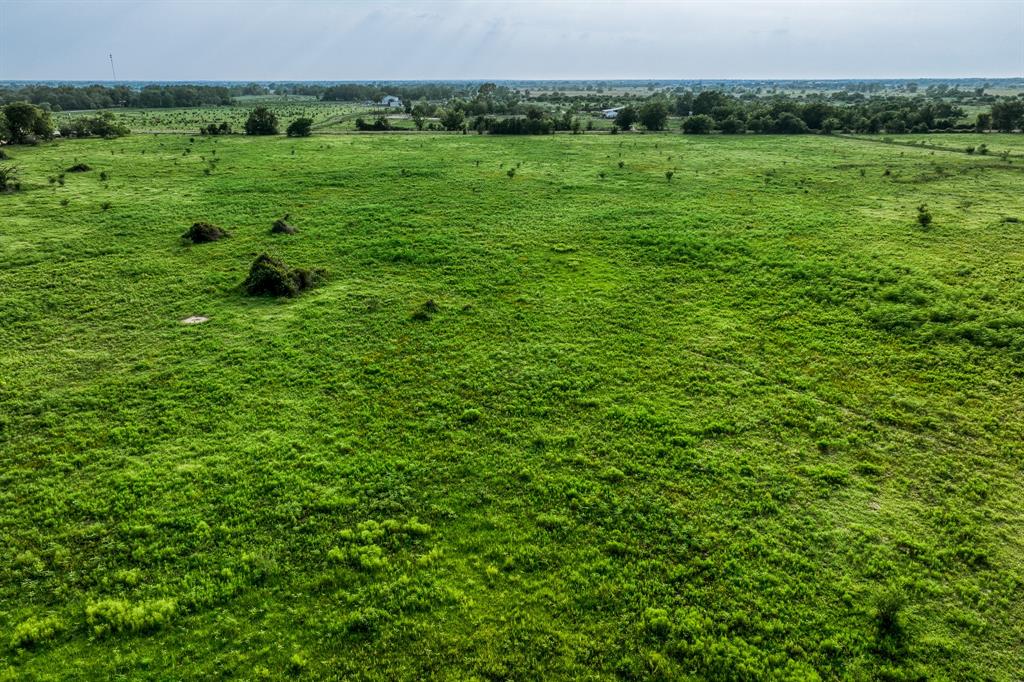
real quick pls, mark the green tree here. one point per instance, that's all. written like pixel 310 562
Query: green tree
pixel 452 119
pixel 789 124
pixel 734 125
pixel 25 122
pixel 300 127
pixel 261 121
pixel 625 118
pixel 653 114
pixel 983 123
pixel 830 125
pixel 1008 114
pixel 701 124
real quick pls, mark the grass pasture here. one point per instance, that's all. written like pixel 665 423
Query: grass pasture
pixel 750 422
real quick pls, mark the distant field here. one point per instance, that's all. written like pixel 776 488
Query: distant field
pixel 191 120
pixel 750 422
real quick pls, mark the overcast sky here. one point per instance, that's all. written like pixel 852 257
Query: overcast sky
pixel 332 40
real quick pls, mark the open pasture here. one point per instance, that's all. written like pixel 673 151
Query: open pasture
pixel 632 406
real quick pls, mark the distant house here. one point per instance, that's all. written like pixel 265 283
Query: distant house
pixel 391 102
pixel 610 113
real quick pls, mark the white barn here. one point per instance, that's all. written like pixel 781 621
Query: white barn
pixel 391 102
pixel 610 113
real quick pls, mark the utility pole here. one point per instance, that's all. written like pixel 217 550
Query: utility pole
pixel 112 72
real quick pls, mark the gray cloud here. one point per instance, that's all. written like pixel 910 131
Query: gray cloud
pixel 319 39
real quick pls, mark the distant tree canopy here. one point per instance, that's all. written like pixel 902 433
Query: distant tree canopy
pixel 261 121
pixel 26 122
pixel 67 97
pixel 452 119
pixel 653 114
pixel 364 92
pixel 103 125
pixel 625 118
pixel 1008 115
pixel 699 124
pixel 300 127
pixel 838 111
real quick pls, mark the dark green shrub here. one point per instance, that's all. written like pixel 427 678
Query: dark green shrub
pixel 890 629
pixel 271 277
pixel 79 168
pixel 300 127
pixel 281 226
pixel 261 121
pixel 701 124
pixel 203 232
pixel 924 216
pixel 426 311
pixel 8 178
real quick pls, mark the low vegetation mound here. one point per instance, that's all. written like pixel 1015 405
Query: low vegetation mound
pixel 79 168
pixel 281 226
pixel 269 276
pixel 202 232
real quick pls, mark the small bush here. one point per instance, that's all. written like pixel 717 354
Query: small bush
pixel 80 168
pixel 203 232
pixel 115 615
pixel 281 226
pixel 104 176
pixel 511 173
pixel 270 277
pixel 8 178
pixel 668 175
pixel 300 127
pixel 105 206
pixel 426 311
pixel 924 216
pixel 34 631
pixel 890 631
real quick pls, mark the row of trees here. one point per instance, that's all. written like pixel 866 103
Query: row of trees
pixel 719 110
pixel 70 98
pixel 24 123
pixel 263 121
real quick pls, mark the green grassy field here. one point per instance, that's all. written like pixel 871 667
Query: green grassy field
pixel 753 422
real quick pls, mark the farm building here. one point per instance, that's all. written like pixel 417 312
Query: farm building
pixel 391 102
pixel 610 113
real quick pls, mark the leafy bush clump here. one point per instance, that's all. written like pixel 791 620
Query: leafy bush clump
pixel 213 129
pixel 9 178
pixel 116 615
pixel 203 232
pixel 281 226
pixel 426 311
pixel 34 631
pixel 300 127
pixel 924 216
pixel 891 631
pixel 104 125
pixel 261 121
pixel 80 168
pixel 270 277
